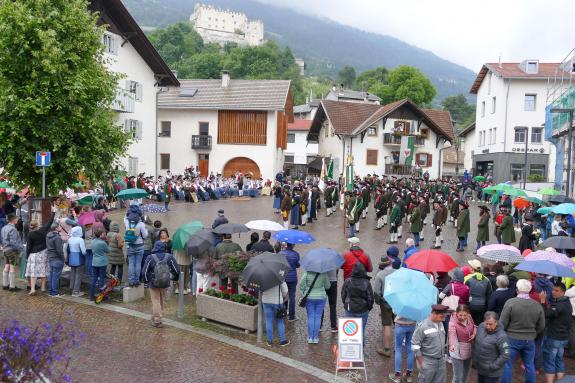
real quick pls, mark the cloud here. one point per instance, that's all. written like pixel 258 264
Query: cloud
pixel 467 32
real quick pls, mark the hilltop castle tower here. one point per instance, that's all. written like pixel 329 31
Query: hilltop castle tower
pixel 221 26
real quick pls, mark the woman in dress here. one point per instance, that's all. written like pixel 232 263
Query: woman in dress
pixel 37 259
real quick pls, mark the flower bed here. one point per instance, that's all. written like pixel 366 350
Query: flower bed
pixel 228 312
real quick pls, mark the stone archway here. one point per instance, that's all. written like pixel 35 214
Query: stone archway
pixel 243 165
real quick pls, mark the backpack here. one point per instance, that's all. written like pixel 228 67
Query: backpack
pixel 130 235
pixel 162 273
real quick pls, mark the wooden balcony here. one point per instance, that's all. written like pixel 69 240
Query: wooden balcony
pixel 398 169
pixel 391 139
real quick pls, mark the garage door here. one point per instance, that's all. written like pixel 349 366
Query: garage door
pixel 243 165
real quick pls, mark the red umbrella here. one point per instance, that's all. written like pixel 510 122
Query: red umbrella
pixel 520 203
pixel 431 261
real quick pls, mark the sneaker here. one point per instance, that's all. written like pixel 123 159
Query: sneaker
pixel 334 330
pixel 309 341
pixel 269 344
pixel 157 325
pixel 14 289
pixel 395 377
pixel 284 343
pixel 56 296
pixel 176 291
pixel 316 341
pixel 408 376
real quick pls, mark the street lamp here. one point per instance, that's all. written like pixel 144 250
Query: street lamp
pixel 570 143
pixel 525 129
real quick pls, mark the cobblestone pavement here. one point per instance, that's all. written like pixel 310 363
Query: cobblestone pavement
pixel 328 232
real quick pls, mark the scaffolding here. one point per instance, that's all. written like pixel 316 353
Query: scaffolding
pixel 560 104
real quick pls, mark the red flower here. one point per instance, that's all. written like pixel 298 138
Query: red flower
pixel 232 291
pixel 200 290
pixel 213 284
pixel 222 288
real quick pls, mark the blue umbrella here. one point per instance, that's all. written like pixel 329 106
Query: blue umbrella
pixel 294 236
pixel 545 267
pixel 564 208
pixel 545 210
pixel 321 260
pixel 410 294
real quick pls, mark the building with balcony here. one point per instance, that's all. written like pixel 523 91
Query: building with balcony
pixel 129 52
pixel 300 157
pixel 395 139
pixel 510 113
pixel 225 126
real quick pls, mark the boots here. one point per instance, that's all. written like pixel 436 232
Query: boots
pixel 437 243
pixel 379 224
pixel 399 231
pixel 357 227
pixel 384 220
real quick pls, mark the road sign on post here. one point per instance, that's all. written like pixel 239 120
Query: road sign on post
pixel 43 159
pixel 350 346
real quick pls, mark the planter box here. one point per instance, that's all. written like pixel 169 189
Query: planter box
pixel 227 312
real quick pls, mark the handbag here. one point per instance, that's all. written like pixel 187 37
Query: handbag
pixel 303 301
pixel 451 301
pixel 281 312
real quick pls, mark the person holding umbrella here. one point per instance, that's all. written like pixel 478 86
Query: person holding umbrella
pixel 293 259
pixel 482 227
pixel 357 295
pixel 313 286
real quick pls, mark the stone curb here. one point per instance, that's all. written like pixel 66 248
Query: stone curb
pixel 304 367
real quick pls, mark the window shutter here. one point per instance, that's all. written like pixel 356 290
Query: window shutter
pixel 418 158
pixel 429 160
pixel 138 130
pixel 128 85
pixel 127 125
pixel 139 91
pixel 113 45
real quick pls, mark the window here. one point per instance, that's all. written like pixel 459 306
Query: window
pixel 133 166
pixel 536 135
pixel 204 128
pixel 164 161
pixel 489 140
pixel 483 109
pixel 372 131
pixel 423 159
pixel 289 158
pixel 494 136
pixel 402 127
pixel 371 157
pixel 532 67
pixel 291 138
pixel 493 105
pixel 537 169
pixel 530 102
pixel 519 135
pixel 110 44
pixel 166 129
pixel 135 88
pixel 481 138
pixel 516 172
pixel 489 83
pixel 134 127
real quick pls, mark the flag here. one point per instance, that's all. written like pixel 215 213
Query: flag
pixel 411 147
pixel 323 171
pixel 330 171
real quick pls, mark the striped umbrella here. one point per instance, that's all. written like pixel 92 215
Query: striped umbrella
pixel 558 258
pixel 500 253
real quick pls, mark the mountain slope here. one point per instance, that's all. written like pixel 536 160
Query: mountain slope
pixel 325 45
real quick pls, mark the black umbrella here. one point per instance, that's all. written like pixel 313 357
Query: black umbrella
pixel 265 271
pixel 560 242
pixel 231 228
pixel 557 199
pixel 200 241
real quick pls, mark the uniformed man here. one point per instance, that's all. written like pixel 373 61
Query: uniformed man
pixel 437 223
pixel 428 345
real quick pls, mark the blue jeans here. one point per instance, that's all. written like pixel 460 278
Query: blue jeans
pixel 401 333
pixel 479 244
pixel 525 348
pixel 292 287
pixel 314 308
pixel 88 262
pixel 553 355
pixel 351 230
pixel 98 280
pixel 270 312
pixel 416 238
pixel 147 253
pixel 135 254
pixel 461 243
pixel 56 266
pixel 363 316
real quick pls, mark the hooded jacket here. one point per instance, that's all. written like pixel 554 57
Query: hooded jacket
pixel 490 351
pixel 54 246
pixel 479 289
pixel 76 242
pixel 353 256
pixel 357 293
pixel 558 318
pixel 456 287
pixel 293 258
pixel 408 253
pixel 116 243
pixel 159 250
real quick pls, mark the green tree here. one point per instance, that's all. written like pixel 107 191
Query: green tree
pixel 461 111
pixel 55 94
pixel 372 80
pixel 346 76
pixel 407 82
pixel 176 42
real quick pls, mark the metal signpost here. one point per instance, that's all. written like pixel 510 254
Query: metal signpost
pixel 350 346
pixel 43 159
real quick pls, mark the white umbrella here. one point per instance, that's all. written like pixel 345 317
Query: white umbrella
pixel 265 225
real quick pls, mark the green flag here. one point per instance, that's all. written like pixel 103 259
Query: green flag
pixel 411 147
pixel 330 171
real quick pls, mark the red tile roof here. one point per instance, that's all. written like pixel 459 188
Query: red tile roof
pixel 441 118
pixel 512 70
pixel 300 125
pixel 346 116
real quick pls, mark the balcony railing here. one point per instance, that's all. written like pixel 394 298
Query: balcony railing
pixel 124 101
pixel 398 169
pixel 201 142
pixel 391 139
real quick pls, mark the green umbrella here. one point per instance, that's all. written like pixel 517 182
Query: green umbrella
pixel 497 188
pixel 86 200
pixel 4 184
pixel 478 178
pixel 515 192
pixel 132 194
pixel 549 191
pixel 535 200
pixel 183 234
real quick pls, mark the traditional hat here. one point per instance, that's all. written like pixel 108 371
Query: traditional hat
pixel 440 309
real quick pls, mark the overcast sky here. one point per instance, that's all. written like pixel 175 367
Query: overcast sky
pixel 467 32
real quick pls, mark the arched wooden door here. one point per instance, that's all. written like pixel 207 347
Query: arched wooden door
pixel 243 165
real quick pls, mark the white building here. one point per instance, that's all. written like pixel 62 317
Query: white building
pixel 389 139
pixel 223 26
pixel 129 52
pixel 306 111
pixel 224 126
pixel 468 145
pixel 511 100
pixel 300 156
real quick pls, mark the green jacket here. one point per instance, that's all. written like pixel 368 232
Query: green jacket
pixel 226 247
pixel 483 228
pixel 463 226
pixel 320 286
pixel 507 230
pixel 100 251
pixel 395 216
pixel 416 222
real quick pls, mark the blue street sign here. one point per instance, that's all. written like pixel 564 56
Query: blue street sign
pixel 43 158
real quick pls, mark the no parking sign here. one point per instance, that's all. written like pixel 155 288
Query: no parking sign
pixel 350 340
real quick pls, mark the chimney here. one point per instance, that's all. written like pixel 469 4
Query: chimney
pixel 225 78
